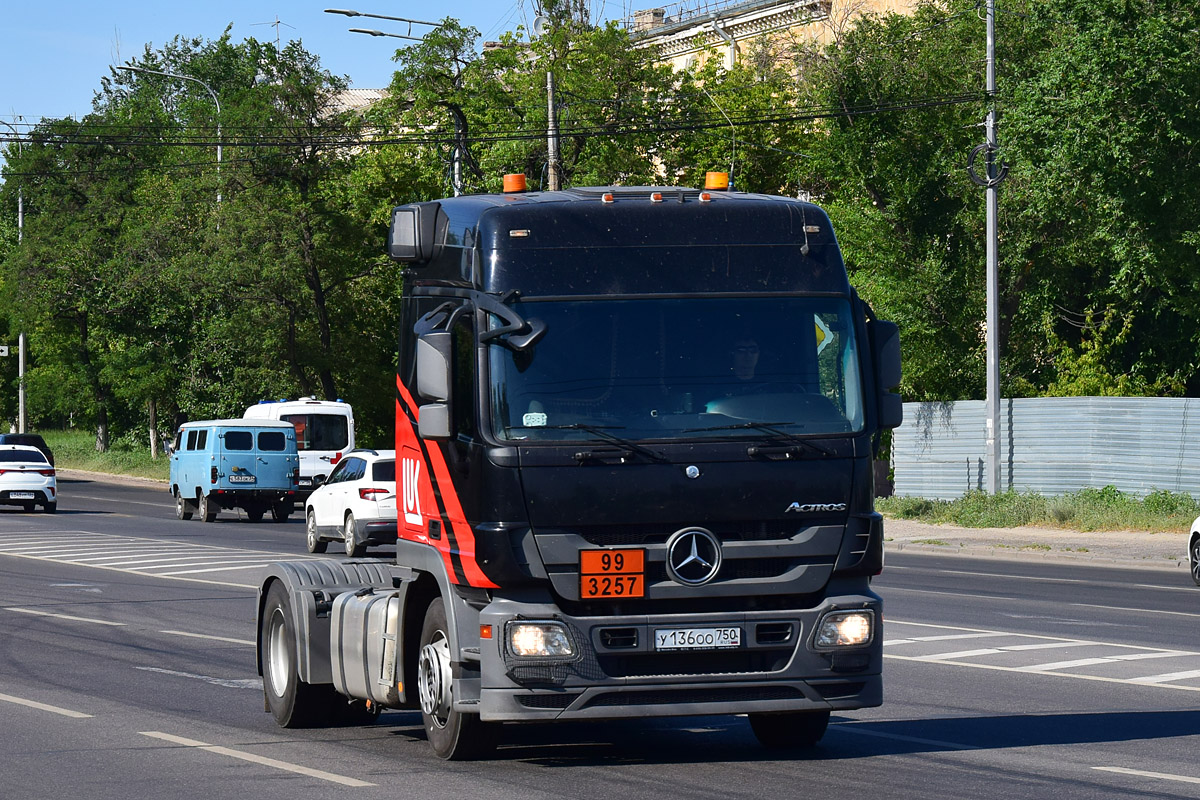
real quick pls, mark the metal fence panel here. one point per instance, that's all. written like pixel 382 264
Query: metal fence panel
pixel 1051 445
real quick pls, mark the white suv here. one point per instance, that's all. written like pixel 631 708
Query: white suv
pixel 356 505
pixel 27 479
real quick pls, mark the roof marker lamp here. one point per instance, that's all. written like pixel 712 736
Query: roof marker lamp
pixel 845 629
pixel 539 639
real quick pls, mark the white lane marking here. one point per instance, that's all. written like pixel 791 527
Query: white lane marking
pixel 247 642
pixel 1078 662
pixel 915 739
pixel 1140 610
pixel 1168 677
pixel 64 616
pixel 1013 577
pixel 1076 675
pixel 65 712
pixel 1141 773
pixel 228 683
pixel 266 762
pixel 987 651
pixel 214 569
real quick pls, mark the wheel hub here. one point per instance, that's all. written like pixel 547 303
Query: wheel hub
pixel 433 679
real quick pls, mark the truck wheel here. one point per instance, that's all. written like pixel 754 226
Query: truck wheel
pixel 293 703
pixel 790 729
pixel 208 509
pixel 353 548
pixel 183 509
pixel 454 735
pixel 312 538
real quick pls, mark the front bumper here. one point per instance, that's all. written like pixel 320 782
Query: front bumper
pixel 617 672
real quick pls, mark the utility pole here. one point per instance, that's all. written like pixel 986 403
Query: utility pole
pixel 21 336
pixel 552 134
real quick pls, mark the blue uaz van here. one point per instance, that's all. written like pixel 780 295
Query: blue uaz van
pixel 234 463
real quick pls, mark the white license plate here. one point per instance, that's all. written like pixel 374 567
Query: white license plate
pixel 697 638
pixel 306 481
pixel 242 479
pixel 20 495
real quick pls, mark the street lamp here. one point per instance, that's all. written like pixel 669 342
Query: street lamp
pixel 347 13
pixel 21 337
pixel 371 32
pixel 211 93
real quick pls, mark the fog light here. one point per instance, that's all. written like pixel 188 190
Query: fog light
pixel 846 629
pixel 539 640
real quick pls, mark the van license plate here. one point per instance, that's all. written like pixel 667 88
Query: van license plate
pixel 242 479
pixel 697 638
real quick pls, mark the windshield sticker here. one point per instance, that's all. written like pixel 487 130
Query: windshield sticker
pixel 534 419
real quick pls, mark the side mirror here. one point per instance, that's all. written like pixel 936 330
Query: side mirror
pixel 434 360
pixel 318 481
pixel 885 352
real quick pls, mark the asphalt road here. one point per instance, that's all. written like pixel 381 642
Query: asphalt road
pixel 127 670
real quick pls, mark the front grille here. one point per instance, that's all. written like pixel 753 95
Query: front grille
pixel 716 695
pixel 619 638
pixel 645 534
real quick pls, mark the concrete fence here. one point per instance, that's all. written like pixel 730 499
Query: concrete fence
pixel 1051 445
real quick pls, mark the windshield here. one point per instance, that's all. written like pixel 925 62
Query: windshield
pixel 320 431
pixel 680 368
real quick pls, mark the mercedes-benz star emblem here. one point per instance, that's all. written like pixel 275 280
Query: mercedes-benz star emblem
pixel 693 556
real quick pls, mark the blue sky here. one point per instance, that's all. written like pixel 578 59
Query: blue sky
pixel 52 57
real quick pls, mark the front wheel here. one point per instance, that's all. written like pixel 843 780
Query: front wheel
pixel 311 537
pixel 454 735
pixel 789 730
pixel 293 703
pixel 1195 559
pixel 183 509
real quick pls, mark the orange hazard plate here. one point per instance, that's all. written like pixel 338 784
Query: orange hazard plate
pixel 612 573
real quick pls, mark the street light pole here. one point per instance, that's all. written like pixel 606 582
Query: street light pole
pixel 21 415
pixel 212 94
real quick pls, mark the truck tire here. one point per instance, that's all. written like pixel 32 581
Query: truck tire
pixel 789 730
pixel 208 509
pixel 312 538
pixel 183 508
pixel 353 548
pixel 293 703
pixel 454 735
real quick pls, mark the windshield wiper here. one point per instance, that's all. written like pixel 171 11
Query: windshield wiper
pixel 602 431
pixel 767 427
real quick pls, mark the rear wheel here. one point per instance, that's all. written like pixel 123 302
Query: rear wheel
pixel 293 703
pixel 789 730
pixel 454 735
pixel 312 538
pixel 208 509
pixel 1195 559
pixel 28 507
pixel 281 510
pixel 254 513
pixel 51 507
pixel 183 508
pixel 353 548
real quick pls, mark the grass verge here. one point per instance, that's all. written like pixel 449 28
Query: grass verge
pixel 1085 510
pixel 77 450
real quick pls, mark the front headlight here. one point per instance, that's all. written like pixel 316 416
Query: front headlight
pixel 528 639
pixel 846 629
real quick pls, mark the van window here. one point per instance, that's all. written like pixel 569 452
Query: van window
pixel 239 440
pixel 191 445
pixel 272 440
pixel 383 471
pixel 320 431
pixel 202 440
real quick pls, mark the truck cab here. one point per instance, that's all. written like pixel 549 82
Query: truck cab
pixel 635 430
pixel 234 463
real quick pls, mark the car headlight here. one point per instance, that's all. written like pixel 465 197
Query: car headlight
pixel 846 629
pixel 538 639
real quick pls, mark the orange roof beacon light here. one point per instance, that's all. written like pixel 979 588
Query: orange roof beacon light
pixel 514 182
pixel 716 180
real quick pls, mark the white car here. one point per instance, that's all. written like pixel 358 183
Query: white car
pixel 1194 551
pixel 27 479
pixel 356 505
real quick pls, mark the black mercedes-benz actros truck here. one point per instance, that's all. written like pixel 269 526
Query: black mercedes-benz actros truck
pixel 635 431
